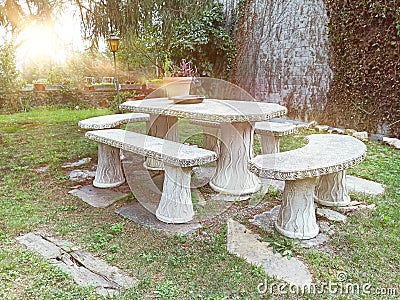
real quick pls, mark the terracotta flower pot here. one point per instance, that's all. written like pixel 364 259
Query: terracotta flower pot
pixel 39 86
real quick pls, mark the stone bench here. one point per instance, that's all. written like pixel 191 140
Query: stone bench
pixel 326 156
pixel 176 202
pixel 270 133
pixel 112 121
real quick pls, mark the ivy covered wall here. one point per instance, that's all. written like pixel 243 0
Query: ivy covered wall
pixel 365 57
pixel 336 61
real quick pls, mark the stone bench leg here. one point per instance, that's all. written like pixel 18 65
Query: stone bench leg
pixel 176 199
pixel 331 190
pixel 269 143
pixel 109 171
pixel 296 218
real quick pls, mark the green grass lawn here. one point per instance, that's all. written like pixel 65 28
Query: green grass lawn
pixel 366 247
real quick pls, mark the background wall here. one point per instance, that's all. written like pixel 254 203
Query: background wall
pixel 335 61
pixel 284 57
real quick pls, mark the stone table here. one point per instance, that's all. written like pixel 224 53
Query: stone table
pixel 237 120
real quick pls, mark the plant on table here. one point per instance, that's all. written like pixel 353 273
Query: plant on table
pixel 178 77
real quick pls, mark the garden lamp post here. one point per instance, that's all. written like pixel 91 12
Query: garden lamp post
pixel 113 43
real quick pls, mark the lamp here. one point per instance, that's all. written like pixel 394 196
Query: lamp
pixel 113 43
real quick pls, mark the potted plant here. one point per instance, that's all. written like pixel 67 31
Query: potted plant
pixel 179 78
pixel 40 84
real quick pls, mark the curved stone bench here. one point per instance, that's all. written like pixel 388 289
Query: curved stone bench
pixel 176 201
pixel 112 121
pixel 271 133
pixel 326 155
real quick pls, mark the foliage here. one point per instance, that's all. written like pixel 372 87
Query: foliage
pixel 10 77
pixel 10 80
pixel 281 244
pixel 365 48
pixel 19 14
pixel 157 30
pixel 80 65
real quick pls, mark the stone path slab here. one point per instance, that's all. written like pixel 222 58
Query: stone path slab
pixel 78 163
pixel 140 215
pixel 243 243
pixel 96 197
pixel 360 185
pixel 331 215
pixel 85 269
pixel 81 175
pixel 267 219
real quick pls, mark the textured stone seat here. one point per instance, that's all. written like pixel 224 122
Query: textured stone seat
pixel 270 133
pixel 176 203
pixel 112 121
pixel 325 155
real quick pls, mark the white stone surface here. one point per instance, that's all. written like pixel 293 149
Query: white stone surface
pixel 170 152
pixel 81 175
pixel 331 190
pixel 109 170
pixel 324 154
pixel 209 110
pixel 112 121
pixel 78 163
pixel 243 243
pixel 176 204
pixel 362 135
pixel 83 267
pixel 364 186
pixel 331 215
pixel 176 200
pixel 278 129
pixel 322 128
pixel 270 133
pixel 392 142
pixel 296 218
pixel 164 127
pixel 232 176
pixel 236 149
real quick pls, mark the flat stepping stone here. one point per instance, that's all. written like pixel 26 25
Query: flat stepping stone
pixel 81 175
pixel 243 243
pixel 140 215
pixel 331 215
pixel 267 219
pixel 78 163
pixel 364 186
pixel 85 269
pixel 100 198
